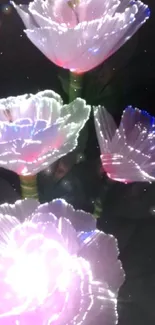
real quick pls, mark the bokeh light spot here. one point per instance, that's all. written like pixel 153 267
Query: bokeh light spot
pixel 6 9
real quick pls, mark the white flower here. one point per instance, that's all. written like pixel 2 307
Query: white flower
pixel 80 34
pixel 36 130
pixel 127 152
pixel 56 267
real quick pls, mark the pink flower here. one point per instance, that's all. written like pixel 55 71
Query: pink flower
pixel 127 152
pixel 55 267
pixel 36 130
pixel 80 34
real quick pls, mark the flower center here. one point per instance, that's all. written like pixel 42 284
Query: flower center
pixel 8 115
pixel 39 267
pixel 73 4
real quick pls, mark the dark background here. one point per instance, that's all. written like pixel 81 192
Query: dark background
pixel 128 77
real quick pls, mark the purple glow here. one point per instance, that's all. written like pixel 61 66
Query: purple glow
pixel 49 272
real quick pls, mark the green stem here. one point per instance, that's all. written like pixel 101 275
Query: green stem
pixel 74 91
pixel 97 208
pixel 29 187
pixel 75 86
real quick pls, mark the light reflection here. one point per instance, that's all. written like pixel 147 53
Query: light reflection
pixel 6 9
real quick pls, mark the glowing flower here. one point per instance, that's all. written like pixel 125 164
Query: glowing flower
pixel 36 130
pixel 80 34
pixel 55 267
pixel 127 152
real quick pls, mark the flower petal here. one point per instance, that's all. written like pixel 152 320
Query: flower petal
pixel 90 10
pixel 109 36
pixel 91 42
pixel 39 133
pixel 105 128
pixel 45 105
pixel 91 302
pixel 101 251
pixel 80 220
pixel 137 124
pixel 53 138
pixel 141 15
pixel 11 131
pixel 37 126
pixel 7 224
pixel 50 94
pixel 69 235
pixel 57 11
pixel 10 107
pixel 25 15
pixel 23 235
pixel 48 136
pixel 47 41
pixel 47 109
pixel 78 111
pixel 43 217
pixel 40 108
pixel 30 162
pixel 30 232
pixel 128 154
pixel 21 210
pixel 101 306
pixel 23 122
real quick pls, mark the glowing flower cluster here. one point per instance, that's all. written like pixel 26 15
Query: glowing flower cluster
pixel 127 152
pixel 55 266
pixel 36 130
pixel 80 34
